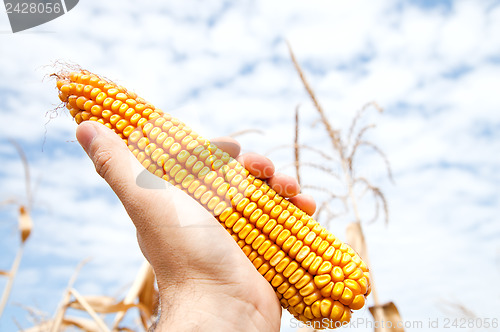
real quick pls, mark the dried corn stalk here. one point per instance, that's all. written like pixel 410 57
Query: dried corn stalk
pixel 346 151
pixel 139 297
pixel 25 225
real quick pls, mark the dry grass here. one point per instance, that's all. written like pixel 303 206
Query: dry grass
pixel 25 225
pixel 456 309
pixel 143 294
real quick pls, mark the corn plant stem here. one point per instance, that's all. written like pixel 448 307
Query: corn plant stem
pixel 27 176
pixel 11 278
pixel 100 323
pixel 331 132
pixel 339 148
pixel 133 292
pixel 296 145
pixel 354 205
pixel 61 311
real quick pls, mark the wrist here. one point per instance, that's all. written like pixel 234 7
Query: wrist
pixel 205 311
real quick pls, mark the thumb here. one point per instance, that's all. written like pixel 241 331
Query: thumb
pixel 116 164
pixel 145 196
pixel 111 157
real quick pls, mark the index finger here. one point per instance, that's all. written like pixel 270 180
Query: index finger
pixel 227 144
pixel 258 165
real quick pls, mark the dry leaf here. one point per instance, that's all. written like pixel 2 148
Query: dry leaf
pixel 148 295
pixel 100 323
pixel 83 324
pixel 63 305
pixel 135 291
pixel 387 316
pixel 148 299
pixel 25 223
pixel 102 304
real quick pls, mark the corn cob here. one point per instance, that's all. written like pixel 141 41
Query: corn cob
pixel 313 273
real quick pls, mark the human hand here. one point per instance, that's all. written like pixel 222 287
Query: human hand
pixel 204 279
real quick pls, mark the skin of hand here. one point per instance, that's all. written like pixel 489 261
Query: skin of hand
pixel 205 281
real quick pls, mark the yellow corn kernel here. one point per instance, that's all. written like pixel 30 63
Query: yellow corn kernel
pixel 306 263
pixel 337 311
pixel 337 291
pixel 326 291
pixel 326 307
pixel 303 281
pixel 347 296
pixel 291 268
pixel 363 284
pixel 353 286
pixel 315 308
pixel 325 267
pixel 358 302
pixel 311 298
pixel 346 316
pixel 283 264
pixel 308 313
pixel 283 236
pixel 322 280
pixel 283 287
pixel 297 275
pixel 276 258
pixel 307 289
pixel 337 274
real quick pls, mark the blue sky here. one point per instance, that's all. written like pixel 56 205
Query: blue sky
pixel 222 67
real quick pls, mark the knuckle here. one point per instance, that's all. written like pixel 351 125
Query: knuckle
pixel 103 162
